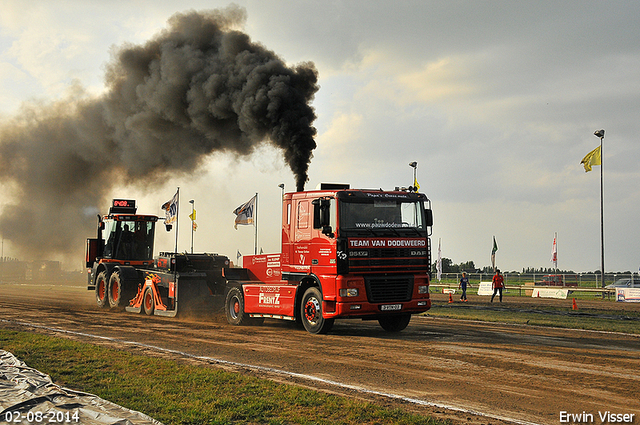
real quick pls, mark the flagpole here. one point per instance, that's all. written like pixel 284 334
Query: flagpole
pixel 193 208
pixel 255 223
pixel 177 219
pixel 600 134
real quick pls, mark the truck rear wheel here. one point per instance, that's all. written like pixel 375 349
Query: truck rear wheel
pixel 148 302
pixel 234 308
pixel 311 312
pixel 119 295
pixel 395 323
pixel 101 289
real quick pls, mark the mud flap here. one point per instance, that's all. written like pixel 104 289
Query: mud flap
pixel 191 294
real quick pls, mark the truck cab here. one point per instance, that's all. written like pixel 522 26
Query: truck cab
pixel 123 237
pixel 361 253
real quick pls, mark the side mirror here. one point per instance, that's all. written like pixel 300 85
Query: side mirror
pixel 322 216
pixel 428 213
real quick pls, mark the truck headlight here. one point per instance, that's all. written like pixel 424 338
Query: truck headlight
pixel 423 289
pixel 348 292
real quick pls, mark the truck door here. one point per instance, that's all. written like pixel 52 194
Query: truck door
pixel 302 233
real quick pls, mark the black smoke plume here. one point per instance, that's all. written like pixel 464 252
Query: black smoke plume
pixel 200 86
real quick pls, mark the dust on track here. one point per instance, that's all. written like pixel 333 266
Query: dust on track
pixel 524 373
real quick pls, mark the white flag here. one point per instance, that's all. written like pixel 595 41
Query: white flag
pixel 171 209
pixel 554 252
pixel 439 263
pixel 244 213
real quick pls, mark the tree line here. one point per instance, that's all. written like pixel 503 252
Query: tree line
pixel 469 266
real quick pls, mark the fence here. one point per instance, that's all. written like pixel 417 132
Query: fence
pixel 589 284
pixel 585 280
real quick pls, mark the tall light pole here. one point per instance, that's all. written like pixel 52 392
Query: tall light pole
pixel 414 165
pixel 600 134
pixel 281 186
pixel 193 219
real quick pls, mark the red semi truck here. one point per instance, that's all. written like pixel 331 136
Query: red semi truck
pixel 346 253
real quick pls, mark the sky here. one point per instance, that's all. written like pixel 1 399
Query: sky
pixel 497 101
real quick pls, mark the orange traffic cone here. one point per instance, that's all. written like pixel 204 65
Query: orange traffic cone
pixel 574 306
pixel 450 298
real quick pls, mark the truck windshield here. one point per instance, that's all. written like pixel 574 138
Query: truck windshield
pixel 129 240
pixel 382 214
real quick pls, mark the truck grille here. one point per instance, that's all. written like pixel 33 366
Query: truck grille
pixel 386 289
pixel 398 258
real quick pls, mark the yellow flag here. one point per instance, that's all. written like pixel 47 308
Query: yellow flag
pixel 192 216
pixel 416 185
pixel 592 158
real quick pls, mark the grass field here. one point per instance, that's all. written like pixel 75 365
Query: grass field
pixel 177 393
pixel 593 313
pixel 583 319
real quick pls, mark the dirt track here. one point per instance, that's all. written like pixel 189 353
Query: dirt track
pixel 510 373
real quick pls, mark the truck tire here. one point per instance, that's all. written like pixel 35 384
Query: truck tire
pixel 116 293
pixel 395 323
pixel 148 302
pixel 311 312
pixel 102 285
pixel 234 308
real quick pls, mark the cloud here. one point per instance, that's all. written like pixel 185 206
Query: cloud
pixel 197 88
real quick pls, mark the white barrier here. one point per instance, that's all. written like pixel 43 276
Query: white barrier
pixel 485 288
pixel 550 293
pixel 628 295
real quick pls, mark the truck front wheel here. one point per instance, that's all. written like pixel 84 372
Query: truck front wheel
pixel 311 312
pixel 395 323
pixel 101 289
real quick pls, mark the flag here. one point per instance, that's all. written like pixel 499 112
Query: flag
pixel 439 262
pixel 238 255
pixel 244 213
pixel 171 209
pixel 192 216
pixel 493 253
pixel 415 184
pixel 554 253
pixel 592 158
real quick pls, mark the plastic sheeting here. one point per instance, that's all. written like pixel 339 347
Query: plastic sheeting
pixel 28 396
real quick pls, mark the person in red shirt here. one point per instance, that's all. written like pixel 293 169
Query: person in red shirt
pixel 497 284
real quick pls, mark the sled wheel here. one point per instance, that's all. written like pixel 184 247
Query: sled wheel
pixel 311 313
pixel 148 303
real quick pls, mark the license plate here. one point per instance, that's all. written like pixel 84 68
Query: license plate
pixel 389 307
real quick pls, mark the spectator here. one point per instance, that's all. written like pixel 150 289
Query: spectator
pixel 464 281
pixel 497 284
